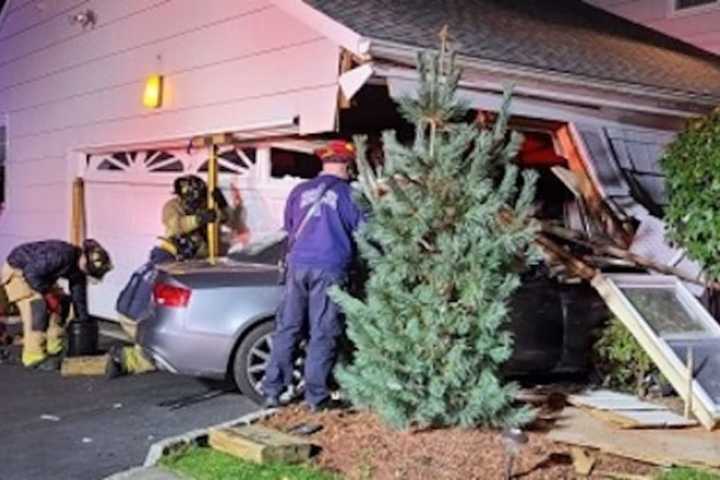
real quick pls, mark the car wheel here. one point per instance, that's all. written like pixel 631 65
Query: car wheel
pixel 252 358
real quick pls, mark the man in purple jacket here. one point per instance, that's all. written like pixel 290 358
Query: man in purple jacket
pixel 320 218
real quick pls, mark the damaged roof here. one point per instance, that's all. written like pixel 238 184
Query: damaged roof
pixel 562 36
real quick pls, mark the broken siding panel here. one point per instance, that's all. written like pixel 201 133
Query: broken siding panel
pixel 602 159
pixel 638 153
pixel 627 164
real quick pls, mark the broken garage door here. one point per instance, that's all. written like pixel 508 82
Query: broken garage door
pixel 675 330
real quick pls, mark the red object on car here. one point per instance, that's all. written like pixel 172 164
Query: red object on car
pixel 171 296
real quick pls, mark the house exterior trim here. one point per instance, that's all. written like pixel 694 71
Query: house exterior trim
pixel 656 100
pixel 336 31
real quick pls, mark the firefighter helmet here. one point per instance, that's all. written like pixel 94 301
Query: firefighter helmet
pixel 97 259
pixel 191 189
pixel 336 151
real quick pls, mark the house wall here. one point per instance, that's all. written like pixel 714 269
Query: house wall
pixel 699 26
pixel 227 64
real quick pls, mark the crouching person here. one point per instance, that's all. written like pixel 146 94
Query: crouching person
pixel 30 277
pixel 185 217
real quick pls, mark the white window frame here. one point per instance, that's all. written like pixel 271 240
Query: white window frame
pixel 673 368
pixel 674 11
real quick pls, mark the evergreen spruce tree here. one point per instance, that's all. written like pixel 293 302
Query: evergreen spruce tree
pixel 430 331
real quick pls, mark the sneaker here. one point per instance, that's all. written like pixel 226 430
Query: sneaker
pixel 328 404
pixel 271 402
pixel 51 363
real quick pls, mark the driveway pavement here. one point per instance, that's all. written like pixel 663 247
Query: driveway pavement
pixel 85 428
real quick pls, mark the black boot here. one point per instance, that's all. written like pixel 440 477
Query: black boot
pixel 51 363
pixel 114 366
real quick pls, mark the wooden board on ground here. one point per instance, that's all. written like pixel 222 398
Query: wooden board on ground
pixel 643 418
pixel 259 444
pixel 583 461
pixel 691 447
pixel 75 366
pixel 609 400
pixel 628 411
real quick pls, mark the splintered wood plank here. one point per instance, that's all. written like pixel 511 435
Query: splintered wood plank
pixel 691 447
pixel 259 444
pixel 643 418
pixel 583 462
pixel 76 366
pixel 609 400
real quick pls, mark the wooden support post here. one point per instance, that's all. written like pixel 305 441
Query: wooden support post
pixel 213 232
pixel 77 214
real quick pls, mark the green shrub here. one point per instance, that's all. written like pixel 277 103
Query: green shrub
pixel 692 170
pixel 620 360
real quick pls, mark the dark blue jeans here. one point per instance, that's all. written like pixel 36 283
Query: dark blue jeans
pixel 306 309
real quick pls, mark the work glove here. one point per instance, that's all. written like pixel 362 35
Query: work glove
pixel 219 198
pixel 53 302
pixel 206 216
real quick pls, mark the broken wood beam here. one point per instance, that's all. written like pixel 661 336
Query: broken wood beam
pixel 574 265
pixel 554 251
pixel 644 262
pixel 583 460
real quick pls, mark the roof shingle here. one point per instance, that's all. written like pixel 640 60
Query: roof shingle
pixel 563 36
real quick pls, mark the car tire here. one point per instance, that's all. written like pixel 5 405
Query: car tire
pixel 250 360
pixel 244 358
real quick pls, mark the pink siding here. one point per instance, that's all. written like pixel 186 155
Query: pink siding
pixel 227 64
pixel 700 26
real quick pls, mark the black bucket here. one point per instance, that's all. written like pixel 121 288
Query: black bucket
pixel 82 338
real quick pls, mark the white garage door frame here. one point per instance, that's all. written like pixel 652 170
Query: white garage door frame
pixel 125 190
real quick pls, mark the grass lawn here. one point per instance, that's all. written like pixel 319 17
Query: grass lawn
pixel 687 474
pixel 208 464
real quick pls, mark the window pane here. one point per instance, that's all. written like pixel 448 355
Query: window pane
pixel 706 361
pixel 681 4
pixel 664 312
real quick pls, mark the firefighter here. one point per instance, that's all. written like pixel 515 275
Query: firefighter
pixel 30 275
pixel 320 218
pixel 185 218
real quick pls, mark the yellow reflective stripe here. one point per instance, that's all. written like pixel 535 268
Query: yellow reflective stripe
pixel 168 246
pixel 134 360
pixel 54 346
pixel 31 358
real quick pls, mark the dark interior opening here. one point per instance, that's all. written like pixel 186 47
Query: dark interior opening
pixel 294 164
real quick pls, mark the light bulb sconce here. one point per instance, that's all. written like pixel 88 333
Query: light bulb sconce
pixel 86 19
pixel 153 93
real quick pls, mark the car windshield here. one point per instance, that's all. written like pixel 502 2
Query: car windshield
pixel 266 250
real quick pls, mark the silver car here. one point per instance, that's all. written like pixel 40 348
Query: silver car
pixel 215 321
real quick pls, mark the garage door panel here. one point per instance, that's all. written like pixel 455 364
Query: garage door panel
pixel 125 197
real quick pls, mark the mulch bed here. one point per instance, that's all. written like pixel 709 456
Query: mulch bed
pixel 358 447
